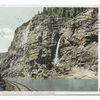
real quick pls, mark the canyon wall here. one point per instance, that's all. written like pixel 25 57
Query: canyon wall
pixel 33 48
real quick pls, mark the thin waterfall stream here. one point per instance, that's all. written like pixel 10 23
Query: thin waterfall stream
pixel 57 52
pixel 25 35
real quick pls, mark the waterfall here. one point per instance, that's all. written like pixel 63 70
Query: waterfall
pixel 57 51
pixel 25 35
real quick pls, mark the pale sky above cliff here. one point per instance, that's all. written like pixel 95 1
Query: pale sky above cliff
pixel 10 19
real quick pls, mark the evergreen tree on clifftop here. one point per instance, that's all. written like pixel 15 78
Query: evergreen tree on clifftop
pixel 62 11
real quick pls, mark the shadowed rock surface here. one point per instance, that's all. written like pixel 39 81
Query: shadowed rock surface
pixel 2 55
pixel 2 84
pixel 32 50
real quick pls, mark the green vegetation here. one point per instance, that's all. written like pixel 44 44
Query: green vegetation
pixel 63 11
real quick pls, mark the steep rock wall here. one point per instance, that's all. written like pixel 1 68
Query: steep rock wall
pixel 32 51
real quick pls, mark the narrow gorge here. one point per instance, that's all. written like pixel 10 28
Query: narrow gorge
pixel 54 47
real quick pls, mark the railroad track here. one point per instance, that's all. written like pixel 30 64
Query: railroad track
pixel 19 87
pixel 16 88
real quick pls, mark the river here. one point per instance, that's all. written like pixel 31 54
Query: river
pixel 58 84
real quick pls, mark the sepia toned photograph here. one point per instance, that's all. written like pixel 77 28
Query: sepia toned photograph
pixel 49 49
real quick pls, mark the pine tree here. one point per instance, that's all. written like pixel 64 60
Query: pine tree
pixel 68 14
pixel 64 12
pixel 44 10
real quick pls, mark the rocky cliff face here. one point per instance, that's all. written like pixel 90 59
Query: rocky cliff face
pixel 3 55
pixel 32 51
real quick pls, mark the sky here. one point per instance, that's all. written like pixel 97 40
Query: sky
pixel 10 19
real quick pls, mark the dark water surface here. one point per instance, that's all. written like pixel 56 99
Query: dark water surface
pixel 58 84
